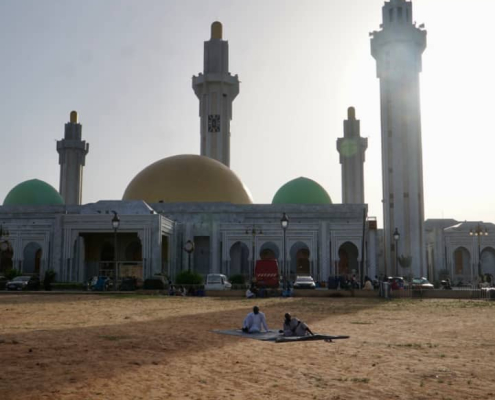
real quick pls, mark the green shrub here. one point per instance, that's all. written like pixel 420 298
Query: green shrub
pixel 12 273
pixel 237 279
pixel 50 275
pixel 188 278
pixel 49 279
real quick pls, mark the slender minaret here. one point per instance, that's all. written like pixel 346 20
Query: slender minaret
pixel 72 156
pixel 216 90
pixel 397 49
pixel 351 149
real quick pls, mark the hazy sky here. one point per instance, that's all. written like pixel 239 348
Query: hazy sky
pixel 126 67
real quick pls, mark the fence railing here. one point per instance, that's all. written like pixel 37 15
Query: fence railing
pixel 107 268
pixel 464 292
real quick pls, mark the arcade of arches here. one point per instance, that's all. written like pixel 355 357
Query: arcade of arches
pixel 348 259
pixel 463 268
pixel 299 254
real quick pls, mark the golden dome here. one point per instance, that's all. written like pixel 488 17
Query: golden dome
pixel 187 178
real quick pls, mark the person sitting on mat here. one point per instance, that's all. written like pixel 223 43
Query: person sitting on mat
pixel 295 327
pixel 254 321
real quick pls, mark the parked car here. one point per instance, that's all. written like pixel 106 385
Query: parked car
pixel 304 282
pixel 421 284
pixel 217 282
pixel 23 283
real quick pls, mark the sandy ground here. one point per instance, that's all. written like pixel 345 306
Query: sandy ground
pixel 136 347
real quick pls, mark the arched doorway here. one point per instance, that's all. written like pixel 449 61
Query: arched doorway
pixel 6 255
pixel 299 260
pixel 348 259
pixel 269 251
pixel 239 259
pixel 488 262
pixel 462 262
pixel 32 258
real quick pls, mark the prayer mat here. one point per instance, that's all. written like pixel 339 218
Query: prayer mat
pixel 277 337
pixel 269 336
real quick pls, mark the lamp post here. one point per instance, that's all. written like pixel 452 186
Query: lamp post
pixel 479 232
pixel 189 248
pixel 396 235
pixel 115 226
pixel 284 222
pixel 254 232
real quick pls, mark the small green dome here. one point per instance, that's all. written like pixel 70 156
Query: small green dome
pixel 301 191
pixel 33 193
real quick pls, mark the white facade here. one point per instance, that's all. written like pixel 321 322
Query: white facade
pixel 321 240
pixel 455 250
pixel 397 49
pixel 216 89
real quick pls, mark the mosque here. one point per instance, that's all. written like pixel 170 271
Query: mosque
pixel 193 212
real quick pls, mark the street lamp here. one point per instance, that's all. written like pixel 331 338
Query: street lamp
pixel 189 248
pixel 479 232
pixel 396 235
pixel 254 232
pixel 284 222
pixel 115 225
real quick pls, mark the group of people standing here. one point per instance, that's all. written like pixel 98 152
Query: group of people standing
pixel 255 321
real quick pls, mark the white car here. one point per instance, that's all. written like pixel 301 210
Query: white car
pixel 304 282
pixel 217 282
pixel 421 284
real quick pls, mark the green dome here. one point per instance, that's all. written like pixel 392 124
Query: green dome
pixel 301 191
pixel 33 193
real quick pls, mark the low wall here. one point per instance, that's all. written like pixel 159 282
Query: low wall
pixel 298 293
pixel 425 294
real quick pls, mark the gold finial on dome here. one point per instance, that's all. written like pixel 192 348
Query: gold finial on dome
pixel 73 117
pixel 216 30
pixel 351 113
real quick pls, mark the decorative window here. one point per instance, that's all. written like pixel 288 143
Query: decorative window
pixel 214 123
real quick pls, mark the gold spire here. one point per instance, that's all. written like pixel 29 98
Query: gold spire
pixel 216 30
pixel 73 117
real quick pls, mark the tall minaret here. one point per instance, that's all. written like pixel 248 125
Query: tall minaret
pixel 216 90
pixel 397 49
pixel 72 156
pixel 351 149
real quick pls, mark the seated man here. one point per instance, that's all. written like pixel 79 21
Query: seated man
pixel 295 327
pixel 250 294
pixel 254 321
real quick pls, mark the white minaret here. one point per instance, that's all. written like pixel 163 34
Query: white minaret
pixel 72 157
pixel 351 149
pixel 397 49
pixel 216 90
